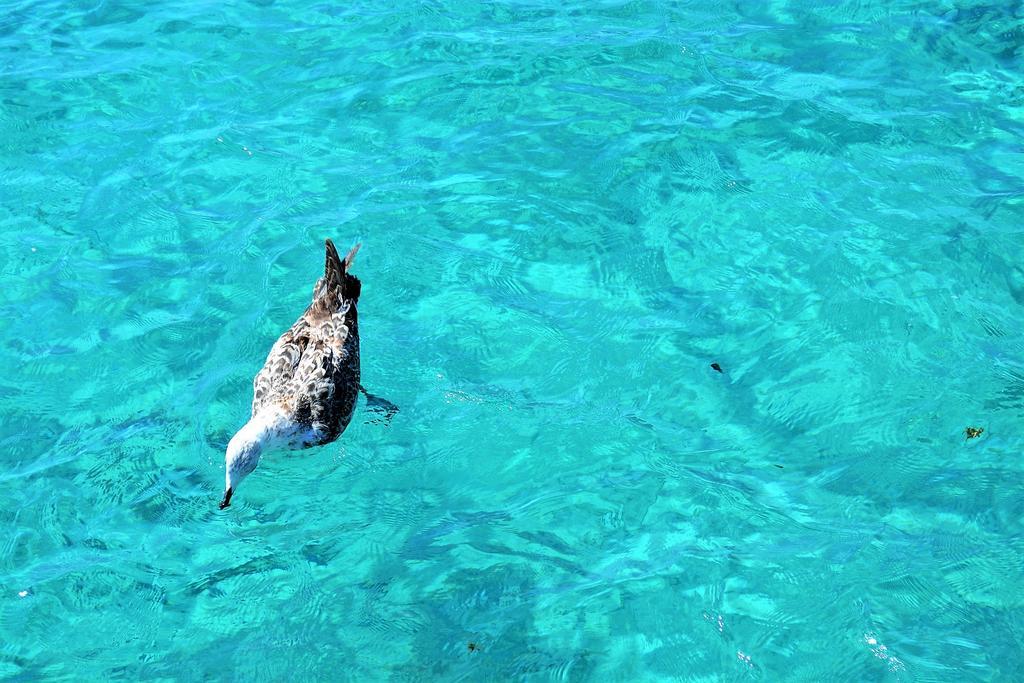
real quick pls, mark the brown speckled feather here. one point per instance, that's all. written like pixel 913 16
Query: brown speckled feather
pixel 312 372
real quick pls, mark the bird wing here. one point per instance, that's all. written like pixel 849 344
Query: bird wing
pixel 327 378
pixel 273 381
pixel 312 371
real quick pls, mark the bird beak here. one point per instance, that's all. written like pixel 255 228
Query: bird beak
pixel 227 498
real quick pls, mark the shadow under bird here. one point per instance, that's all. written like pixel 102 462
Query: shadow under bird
pixel 307 391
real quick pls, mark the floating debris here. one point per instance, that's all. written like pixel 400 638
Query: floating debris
pixel 716 367
pixel 974 432
pixel 473 647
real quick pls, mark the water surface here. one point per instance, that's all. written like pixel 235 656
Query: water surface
pixel 568 210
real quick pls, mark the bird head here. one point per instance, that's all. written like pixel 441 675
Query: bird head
pixel 240 459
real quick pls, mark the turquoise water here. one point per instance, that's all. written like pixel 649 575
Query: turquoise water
pixel 568 212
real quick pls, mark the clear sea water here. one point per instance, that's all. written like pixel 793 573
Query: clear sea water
pixel 568 211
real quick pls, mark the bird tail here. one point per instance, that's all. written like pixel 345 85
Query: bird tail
pixel 336 272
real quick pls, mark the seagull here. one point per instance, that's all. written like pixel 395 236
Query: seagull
pixel 307 390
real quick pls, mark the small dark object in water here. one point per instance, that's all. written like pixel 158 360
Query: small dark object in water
pixel 717 367
pixel 974 432
pixel 779 466
pixel 473 647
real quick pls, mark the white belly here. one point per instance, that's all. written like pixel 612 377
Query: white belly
pixel 284 434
